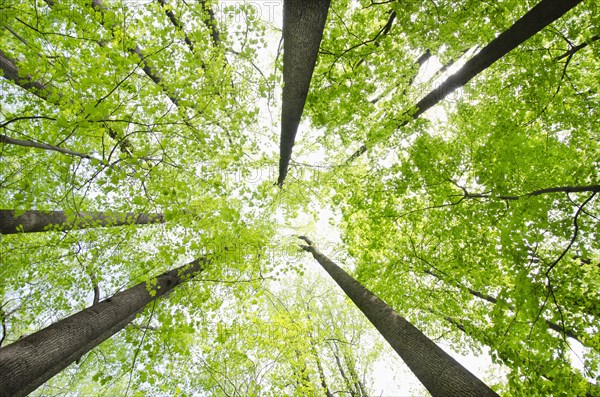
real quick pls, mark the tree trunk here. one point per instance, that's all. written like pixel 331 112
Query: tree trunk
pixel 11 72
pixel 438 372
pixel 540 16
pixel 33 221
pixel 29 362
pixel 303 24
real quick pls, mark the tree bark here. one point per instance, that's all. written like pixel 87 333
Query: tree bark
pixel 540 16
pixel 33 221
pixel 438 372
pixel 29 362
pixel 303 24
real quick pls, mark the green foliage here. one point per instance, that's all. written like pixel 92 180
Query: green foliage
pixel 435 217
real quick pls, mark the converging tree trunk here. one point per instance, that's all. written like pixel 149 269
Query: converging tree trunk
pixel 303 24
pixel 438 372
pixel 540 16
pixel 29 362
pixel 43 221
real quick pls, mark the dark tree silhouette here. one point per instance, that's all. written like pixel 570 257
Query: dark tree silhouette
pixel 303 24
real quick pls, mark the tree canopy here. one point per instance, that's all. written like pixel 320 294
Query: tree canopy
pixel 138 136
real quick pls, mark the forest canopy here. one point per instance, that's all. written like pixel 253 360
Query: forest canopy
pixel 140 148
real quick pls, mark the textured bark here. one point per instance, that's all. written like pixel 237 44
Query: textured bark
pixel 438 372
pixel 540 16
pixel 303 24
pixel 29 362
pixel 33 221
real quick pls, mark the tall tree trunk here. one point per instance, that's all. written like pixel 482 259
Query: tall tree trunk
pixel 42 221
pixel 303 24
pixel 540 16
pixel 438 372
pixel 29 362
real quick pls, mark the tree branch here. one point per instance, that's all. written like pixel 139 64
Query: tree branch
pixel 576 48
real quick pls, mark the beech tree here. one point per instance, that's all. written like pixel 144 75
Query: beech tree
pixel 439 373
pixel 303 24
pixel 477 220
pixel 493 193
pixel 39 221
pixel 31 361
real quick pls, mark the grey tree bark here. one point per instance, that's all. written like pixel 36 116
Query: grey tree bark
pixel 303 24
pixel 438 372
pixel 32 221
pixel 29 362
